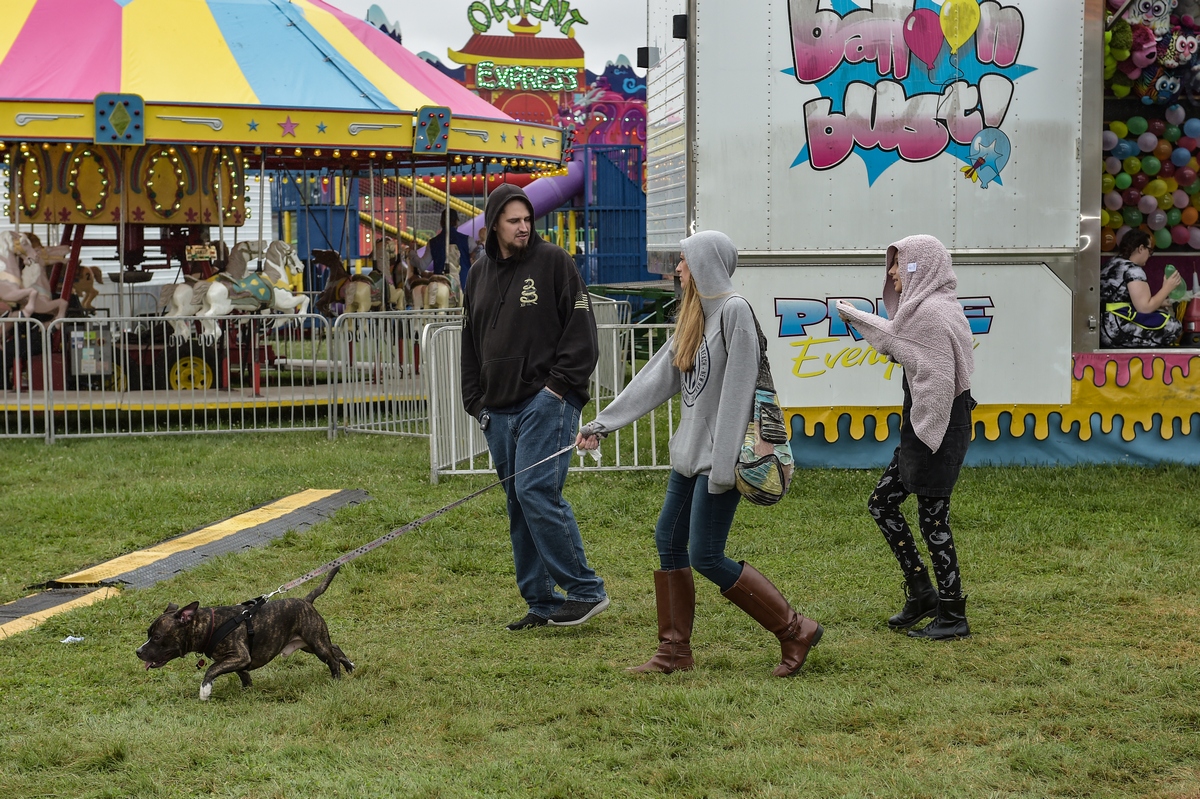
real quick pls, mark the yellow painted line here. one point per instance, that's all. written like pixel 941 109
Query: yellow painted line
pixel 34 619
pixel 180 407
pixel 205 535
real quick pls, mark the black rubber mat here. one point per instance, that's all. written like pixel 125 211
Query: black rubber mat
pixel 251 537
pixel 38 602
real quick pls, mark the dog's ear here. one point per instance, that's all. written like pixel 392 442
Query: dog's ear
pixel 186 614
pixel 171 608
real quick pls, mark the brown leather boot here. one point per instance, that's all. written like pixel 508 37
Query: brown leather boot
pixel 797 634
pixel 675 592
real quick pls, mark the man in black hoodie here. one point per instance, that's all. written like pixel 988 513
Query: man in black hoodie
pixel 528 350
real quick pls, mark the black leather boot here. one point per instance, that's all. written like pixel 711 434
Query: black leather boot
pixel 921 601
pixel 950 624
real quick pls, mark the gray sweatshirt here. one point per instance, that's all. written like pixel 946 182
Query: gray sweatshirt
pixel 718 393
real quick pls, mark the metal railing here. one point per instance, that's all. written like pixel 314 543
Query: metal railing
pixel 161 376
pixel 23 378
pixel 457 446
pixel 395 373
pixel 378 386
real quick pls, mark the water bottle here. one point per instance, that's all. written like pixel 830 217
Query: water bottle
pixel 1179 292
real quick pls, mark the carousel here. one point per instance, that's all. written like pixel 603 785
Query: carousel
pixel 149 117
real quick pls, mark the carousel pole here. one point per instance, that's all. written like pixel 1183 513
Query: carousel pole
pixel 412 215
pixel 374 239
pixel 305 196
pixel 346 218
pixel 16 191
pixel 446 222
pixel 220 206
pixel 121 235
pixel 262 187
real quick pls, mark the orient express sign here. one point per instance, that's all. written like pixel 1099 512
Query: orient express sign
pixel 531 79
pixel 483 14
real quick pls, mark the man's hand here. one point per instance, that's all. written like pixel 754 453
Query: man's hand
pixel 552 391
pixel 587 442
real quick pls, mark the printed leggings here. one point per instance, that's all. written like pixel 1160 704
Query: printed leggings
pixel 933 513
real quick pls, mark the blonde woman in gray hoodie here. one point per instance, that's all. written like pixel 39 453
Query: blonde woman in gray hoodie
pixel 712 361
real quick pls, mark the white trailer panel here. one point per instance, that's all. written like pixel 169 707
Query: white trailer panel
pixel 819 126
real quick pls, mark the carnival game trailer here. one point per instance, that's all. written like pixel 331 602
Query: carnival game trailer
pixel 816 132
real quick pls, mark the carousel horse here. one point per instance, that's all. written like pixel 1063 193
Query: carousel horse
pixel 182 300
pixel 234 289
pixel 353 291
pixel 255 292
pixel 276 255
pixel 84 287
pixel 430 291
pixel 29 282
pixel 179 300
pixel 12 293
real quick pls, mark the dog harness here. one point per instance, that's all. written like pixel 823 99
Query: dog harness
pixel 215 637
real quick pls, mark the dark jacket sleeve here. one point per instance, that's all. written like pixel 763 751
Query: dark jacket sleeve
pixel 578 348
pixel 472 394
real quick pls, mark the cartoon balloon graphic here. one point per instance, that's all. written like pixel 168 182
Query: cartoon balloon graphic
pixel 960 19
pixel 990 150
pixel 923 35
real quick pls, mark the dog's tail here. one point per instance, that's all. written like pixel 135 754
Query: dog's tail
pixel 320 589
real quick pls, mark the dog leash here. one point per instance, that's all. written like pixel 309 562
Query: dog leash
pixel 399 531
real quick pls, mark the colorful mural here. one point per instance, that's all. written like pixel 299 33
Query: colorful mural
pixel 881 104
pixel 534 75
pixel 1138 407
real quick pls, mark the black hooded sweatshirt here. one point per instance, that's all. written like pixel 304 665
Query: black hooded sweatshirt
pixel 527 322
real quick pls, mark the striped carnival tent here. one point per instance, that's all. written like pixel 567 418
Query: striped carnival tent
pixel 270 73
pixel 140 113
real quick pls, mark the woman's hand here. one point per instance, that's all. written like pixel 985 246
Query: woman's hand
pixel 1170 284
pixel 842 307
pixel 587 442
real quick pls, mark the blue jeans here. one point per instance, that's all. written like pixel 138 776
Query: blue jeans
pixel 693 527
pixel 547 547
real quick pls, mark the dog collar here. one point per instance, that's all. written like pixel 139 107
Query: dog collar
pixel 212 623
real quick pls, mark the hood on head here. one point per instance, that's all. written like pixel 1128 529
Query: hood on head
pixel 924 268
pixel 711 258
pixel 495 203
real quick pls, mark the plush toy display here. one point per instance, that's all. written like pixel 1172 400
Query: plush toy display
pixel 1150 49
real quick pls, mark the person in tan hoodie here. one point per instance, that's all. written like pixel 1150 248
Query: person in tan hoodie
pixel 928 334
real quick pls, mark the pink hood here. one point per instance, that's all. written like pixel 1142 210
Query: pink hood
pixel 926 332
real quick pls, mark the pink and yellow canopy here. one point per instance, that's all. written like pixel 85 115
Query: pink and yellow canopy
pixel 249 72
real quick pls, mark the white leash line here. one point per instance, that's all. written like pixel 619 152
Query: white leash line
pixel 399 531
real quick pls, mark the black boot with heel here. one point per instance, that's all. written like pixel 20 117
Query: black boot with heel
pixel 921 602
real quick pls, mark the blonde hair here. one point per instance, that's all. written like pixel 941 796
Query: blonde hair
pixel 689 328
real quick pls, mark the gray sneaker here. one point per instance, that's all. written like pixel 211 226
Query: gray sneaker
pixel 575 612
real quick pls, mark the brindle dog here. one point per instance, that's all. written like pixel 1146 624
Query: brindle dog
pixel 280 628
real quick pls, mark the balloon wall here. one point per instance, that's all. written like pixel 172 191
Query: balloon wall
pixel 1152 138
pixel 1152 179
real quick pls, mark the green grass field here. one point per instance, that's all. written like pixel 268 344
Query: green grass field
pixel 1081 679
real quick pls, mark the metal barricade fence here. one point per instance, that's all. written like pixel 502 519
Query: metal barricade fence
pixel 377 363
pixel 610 379
pixel 24 370
pixel 163 375
pixel 457 446
pixel 454 437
